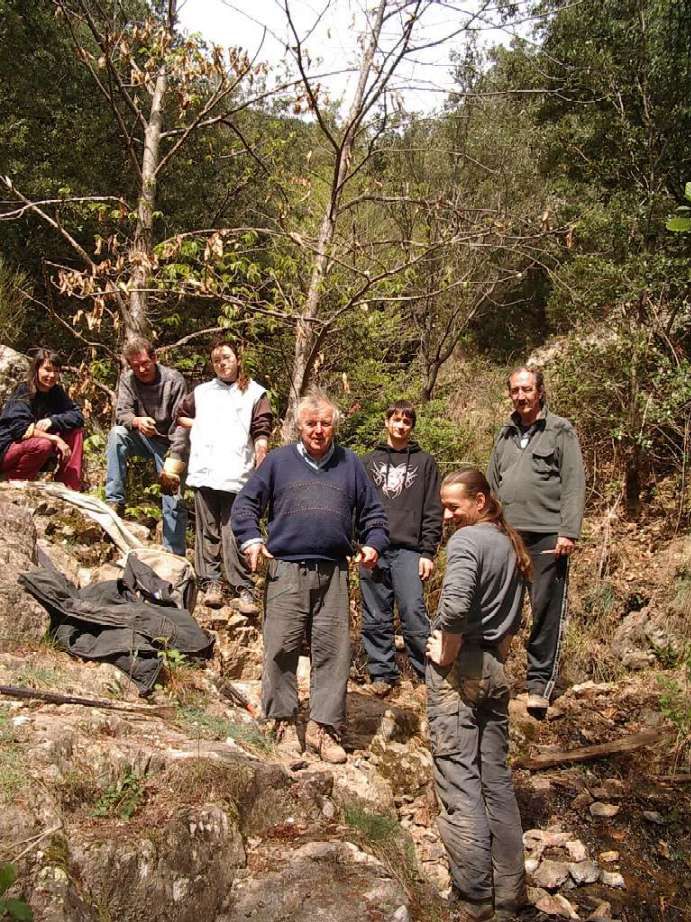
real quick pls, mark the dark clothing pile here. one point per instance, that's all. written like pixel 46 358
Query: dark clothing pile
pixel 127 622
pixel 24 408
pixel 408 487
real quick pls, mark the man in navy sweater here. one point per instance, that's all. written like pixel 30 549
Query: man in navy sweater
pixel 314 490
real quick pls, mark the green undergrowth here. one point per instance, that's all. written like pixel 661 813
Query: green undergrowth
pixel 122 798
pixel 675 704
pixel 203 725
pixel 592 619
pixel 385 838
pixel 41 678
pixel 13 771
pixel 12 908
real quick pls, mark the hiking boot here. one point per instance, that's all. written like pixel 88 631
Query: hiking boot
pixel 285 733
pixel 212 596
pixel 381 688
pixel 117 506
pixel 245 604
pixel 326 742
pixel 464 911
pixel 537 706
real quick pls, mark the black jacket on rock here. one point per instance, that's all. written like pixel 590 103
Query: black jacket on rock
pixel 407 482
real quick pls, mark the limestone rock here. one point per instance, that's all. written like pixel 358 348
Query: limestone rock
pixel 606 810
pixel 654 817
pixel 359 781
pixel 406 763
pixel 22 619
pixel 319 880
pixel 612 879
pixel 14 368
pixel 608 856
pixel 551 874
pixel 576 850
pixel 556 905
pixel 584 872
pixel 601 913
pixel 241 651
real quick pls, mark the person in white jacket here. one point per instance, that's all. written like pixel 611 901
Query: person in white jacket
pixel 223 427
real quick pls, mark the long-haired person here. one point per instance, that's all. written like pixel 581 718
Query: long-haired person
pixel 40 422
pixel 468 696
pixel 223 434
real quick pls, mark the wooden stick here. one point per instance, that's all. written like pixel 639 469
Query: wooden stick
pixel 586 753
pixel 228 690
pixel 15 691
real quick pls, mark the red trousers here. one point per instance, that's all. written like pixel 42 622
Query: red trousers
pixel 23 460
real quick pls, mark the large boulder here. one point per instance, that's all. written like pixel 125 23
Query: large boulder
pixel 14 367
pixel 22 620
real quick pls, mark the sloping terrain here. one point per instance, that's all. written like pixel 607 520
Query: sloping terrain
pixel 180 808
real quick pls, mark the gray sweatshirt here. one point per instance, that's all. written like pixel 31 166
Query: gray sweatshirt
pixel 158 400
pixel 542 486
pixel 482 592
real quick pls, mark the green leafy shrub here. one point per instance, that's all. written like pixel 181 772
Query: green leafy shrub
pixel 12 908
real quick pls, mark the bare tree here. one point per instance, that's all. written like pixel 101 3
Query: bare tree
pixel 161 89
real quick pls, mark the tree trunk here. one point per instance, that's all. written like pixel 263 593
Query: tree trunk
pixel 136 321
pixel 306 339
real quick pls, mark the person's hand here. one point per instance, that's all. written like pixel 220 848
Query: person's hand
pixel 254 554
pixel 261 449
pixel 170 483
pixel 442 648
pixel 425 568
pixel 43 425
pixel 145 424
pixel 564 547
pixel 367 557
pixel 64 450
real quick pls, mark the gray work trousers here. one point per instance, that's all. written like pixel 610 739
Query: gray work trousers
pixel 306 599
pixel 214 541
pixel 479 821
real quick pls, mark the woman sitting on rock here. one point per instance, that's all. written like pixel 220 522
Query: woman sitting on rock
pixel 39 422
pixel 468 697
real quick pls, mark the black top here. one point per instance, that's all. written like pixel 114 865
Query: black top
pixel 22 409
pixel 407 483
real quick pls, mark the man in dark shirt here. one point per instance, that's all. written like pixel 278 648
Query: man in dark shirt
pixel 148 395
pixel 313 490
pixel 536 471
pixel 407 482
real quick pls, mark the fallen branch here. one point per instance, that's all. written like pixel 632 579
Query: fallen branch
pixel 587 753
pixel 228 690
pixel 15 691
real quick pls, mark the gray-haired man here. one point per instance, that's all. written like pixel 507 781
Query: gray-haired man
pixel 314 490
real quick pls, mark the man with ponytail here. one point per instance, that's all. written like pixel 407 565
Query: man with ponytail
pixel 468 698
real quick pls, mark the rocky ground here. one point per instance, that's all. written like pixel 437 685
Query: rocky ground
pixel 180 808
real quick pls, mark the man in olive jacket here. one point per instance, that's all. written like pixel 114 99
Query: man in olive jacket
pixel 536 470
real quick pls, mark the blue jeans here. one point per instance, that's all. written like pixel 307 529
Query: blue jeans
pixel 126 443
pixel 395 579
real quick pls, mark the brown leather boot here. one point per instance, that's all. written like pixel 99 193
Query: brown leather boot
pixel 326 742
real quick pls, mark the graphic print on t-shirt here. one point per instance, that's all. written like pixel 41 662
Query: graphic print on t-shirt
pixel 397 480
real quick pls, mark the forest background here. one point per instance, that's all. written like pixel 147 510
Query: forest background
pixel 152 182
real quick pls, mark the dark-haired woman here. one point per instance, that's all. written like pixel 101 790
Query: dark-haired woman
pixel 39 422
pixel 468 696
pixel 228 421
